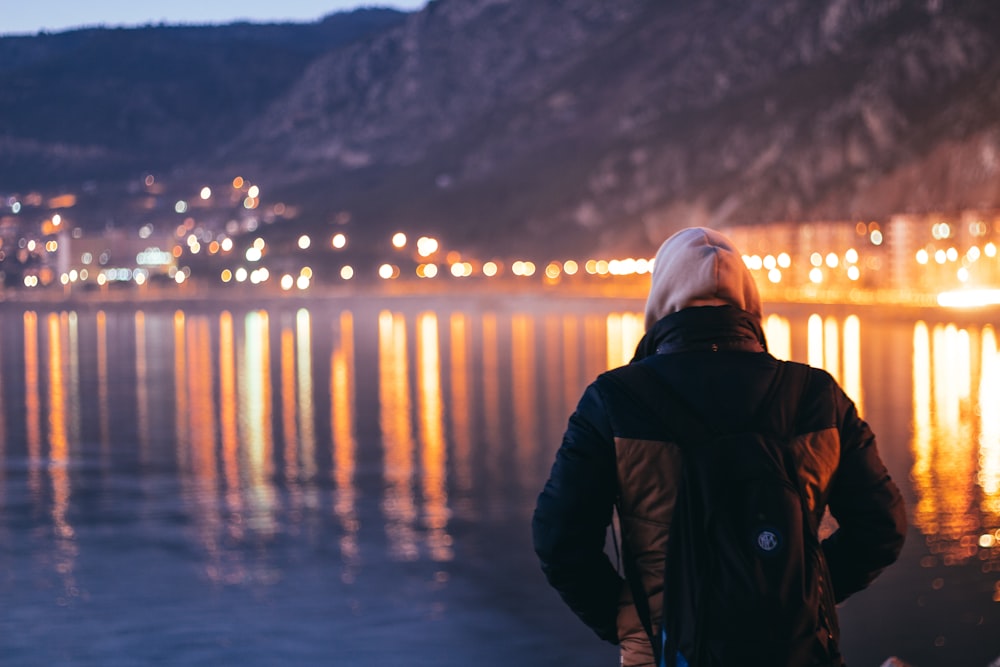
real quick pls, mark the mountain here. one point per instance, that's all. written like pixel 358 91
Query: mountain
pixel 532 124
pixel 104 103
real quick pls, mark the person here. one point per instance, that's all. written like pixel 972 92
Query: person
pixel 704 340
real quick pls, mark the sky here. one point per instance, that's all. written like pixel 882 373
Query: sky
pixel 31 16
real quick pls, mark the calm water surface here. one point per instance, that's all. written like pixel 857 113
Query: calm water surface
pixel 352 483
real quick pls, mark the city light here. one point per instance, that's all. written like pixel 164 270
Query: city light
pixel 941 230
pixel 304 242
pixel 399 240
pixel 346 272
pixel 490 269
pixel 972 298
pixel 338 241
pixel 570 267
pixel 522 268
pixel 206 193
pixel 426 246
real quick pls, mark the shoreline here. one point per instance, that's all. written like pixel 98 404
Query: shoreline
pixel 882 305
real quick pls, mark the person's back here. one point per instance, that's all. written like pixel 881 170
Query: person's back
pixel 704 344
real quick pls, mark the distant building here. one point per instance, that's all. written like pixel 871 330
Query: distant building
pixel 115 256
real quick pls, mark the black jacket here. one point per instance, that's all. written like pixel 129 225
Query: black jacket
pixel 715 358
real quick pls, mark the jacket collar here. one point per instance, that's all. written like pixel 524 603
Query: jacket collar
pixel 712 328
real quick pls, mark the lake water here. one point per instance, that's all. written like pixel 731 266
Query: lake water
pixel 351 483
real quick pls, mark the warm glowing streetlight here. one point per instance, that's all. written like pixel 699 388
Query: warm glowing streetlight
pixel 399 240
pixel 426 246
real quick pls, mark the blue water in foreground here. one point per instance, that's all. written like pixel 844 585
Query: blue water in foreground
pixel 352 483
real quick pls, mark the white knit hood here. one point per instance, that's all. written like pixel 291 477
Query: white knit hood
pixel 700 267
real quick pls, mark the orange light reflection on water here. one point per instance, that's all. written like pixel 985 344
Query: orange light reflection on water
pixel 956 468
pixel 181 414
pixel 102 382
pixel 524 394
pixel 433 450
pixel 141 384
pixel 201 440
pixel 459 402
pixel 398 504
pixel 254 381
pixel 624 330
pixel 304 382
pixel 836 349
pixel 989 427
pixel 491 392
pixel 66 548
pixel 778 333
pixel 289 411
pixel 228 424
pixel 342 392
pixel 32 403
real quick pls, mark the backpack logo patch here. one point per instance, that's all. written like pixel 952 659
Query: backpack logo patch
pixel 768 541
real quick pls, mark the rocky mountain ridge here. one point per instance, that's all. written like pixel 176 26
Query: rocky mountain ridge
pixel 592 124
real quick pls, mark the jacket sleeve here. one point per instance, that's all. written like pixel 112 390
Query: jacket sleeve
pixel 572 515
pixel 868 508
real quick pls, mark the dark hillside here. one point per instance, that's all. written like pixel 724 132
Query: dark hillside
pixel 91 103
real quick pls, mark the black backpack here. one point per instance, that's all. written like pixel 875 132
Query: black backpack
pixel 746 582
